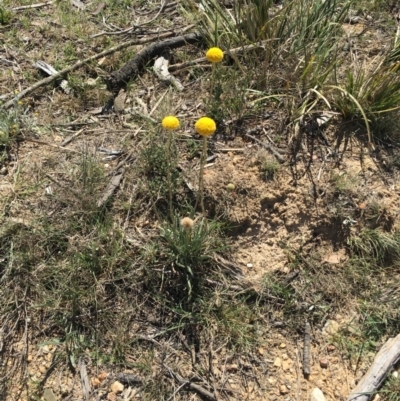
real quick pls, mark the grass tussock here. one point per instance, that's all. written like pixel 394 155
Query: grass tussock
pixel 303 63
pixel 375 243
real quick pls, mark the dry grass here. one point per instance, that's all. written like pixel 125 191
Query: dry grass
pixel 120 284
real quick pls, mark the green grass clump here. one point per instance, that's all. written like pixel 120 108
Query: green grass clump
pixel 160 176
pixel 391 390
pixel 377 244
pixel 188 248
pixel 5 16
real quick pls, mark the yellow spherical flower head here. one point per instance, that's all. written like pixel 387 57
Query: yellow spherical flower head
pixel 214 55
pixel 205 126
pixel 170 123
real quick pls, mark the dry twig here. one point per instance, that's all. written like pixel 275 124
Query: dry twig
pixel 38 5
pixel 191 386
pixel 280 158
pixel 306 351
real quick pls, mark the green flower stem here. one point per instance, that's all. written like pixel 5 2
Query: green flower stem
pixel 213 72
pixel 201 178
pixel 169 178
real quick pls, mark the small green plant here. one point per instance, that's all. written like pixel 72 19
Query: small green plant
pixel 189 247
pixel 193 148
pixel 344 183
pixel 391 390
pixel 368 93
pixel 268 165
pixel 9 125
pixel 5 16
pixel 159 171
pixel 377 244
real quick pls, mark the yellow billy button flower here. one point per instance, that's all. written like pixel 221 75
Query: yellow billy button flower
pixel 205 126
pixel 170 123
pixel 214 55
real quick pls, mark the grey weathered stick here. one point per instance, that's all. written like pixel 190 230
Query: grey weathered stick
pixel 71 138
pixel 386 358
pixel 306 351
pixel 192 386
pixel 269 147
pixel 111 188
pixel 80 63
pixel 84 379
pixel 20 8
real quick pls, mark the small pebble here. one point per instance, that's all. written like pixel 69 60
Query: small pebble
pixel 102 376
pixel 283 345
pixel 317 395
pixel 42 369
pixel 117 387
pixel 278 362
pixel 232 368
pixel 323 362
pixel 395 374
pixel 111 397
pixel 95 382
pixel 283 389
pixel 330 348
pixel 249 265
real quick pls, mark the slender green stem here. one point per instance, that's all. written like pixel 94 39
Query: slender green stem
pixel 169 178
pixel 213 72
pixel 201 177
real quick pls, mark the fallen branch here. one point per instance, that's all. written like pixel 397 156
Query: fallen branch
pixel 134 66
pixel 80 63
pixel 387 357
